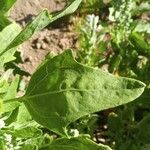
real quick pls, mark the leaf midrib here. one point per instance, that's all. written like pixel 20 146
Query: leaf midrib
pixel 66 90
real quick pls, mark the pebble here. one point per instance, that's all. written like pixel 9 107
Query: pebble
pixel 38 45
pixel 44 46
pixel 47 39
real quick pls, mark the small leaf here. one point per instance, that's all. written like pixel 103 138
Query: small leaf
pixel 139 43
pixel 27 132
pixel 23 115
pixel 7 35
pixel 79 143
pixel 11 93
pixel 2 144
pixel 62 90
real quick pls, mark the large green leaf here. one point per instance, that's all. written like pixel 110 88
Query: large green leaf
pixel 78 143
pixel 63 90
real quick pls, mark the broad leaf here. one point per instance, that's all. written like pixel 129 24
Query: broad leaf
pixel 79 143
pixel 63 90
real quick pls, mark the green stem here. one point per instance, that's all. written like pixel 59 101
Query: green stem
pixel 19 99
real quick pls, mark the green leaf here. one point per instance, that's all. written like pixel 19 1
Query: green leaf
pixel 37 24
pixel 11 93
pixel 5 5
pixel 2 144
pixel 4 85
pixel 28 147
pixel 71 8
pixel 143 129
pixel 27 132
pixel 7 35
pixel 7 57
pixel 139 43
pixel 79 143
pixel 12 117
pixel 19 116
pixel 23 115
pixel 12 90
pixel 41 21
pixel 145 147
pixel 63 90
pixel 3 22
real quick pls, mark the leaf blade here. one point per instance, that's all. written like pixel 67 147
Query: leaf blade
pixel 62 90
pixel 81 143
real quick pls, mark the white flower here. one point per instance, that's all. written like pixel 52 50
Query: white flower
pixel 75 132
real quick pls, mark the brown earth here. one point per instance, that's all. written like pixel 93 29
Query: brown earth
pixel 58 36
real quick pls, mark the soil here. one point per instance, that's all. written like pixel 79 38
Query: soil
pixel 60 35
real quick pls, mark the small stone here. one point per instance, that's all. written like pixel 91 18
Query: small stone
pixel 47 39
pixel 38 45
pixel 23 23
pixel 44 46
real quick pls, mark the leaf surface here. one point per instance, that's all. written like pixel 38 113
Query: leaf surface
pixel 3 22
pixel 78 143
pixel 10 94
pixel 63 90
pixel 7 35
